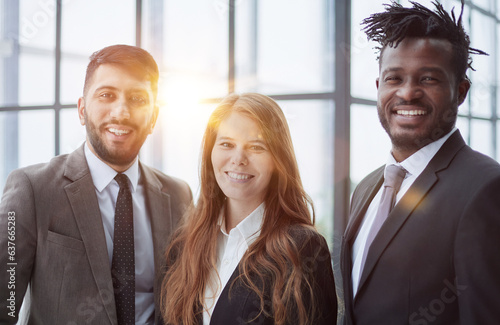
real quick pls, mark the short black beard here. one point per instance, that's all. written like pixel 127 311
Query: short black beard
pixel 447 122
pixel 100 148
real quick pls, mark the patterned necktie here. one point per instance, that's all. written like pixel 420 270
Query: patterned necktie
pixel 394 176
pixel 123 263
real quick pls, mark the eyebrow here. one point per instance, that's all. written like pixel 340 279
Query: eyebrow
pixel 252 141
pixel 423 69
pixel 139 90
pixel 105 87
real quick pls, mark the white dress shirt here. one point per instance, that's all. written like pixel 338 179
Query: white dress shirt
pixel 106 189
pixel 230 249
pixel 414 166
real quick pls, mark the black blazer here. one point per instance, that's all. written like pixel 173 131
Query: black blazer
pixel 240 305
pixel 436 258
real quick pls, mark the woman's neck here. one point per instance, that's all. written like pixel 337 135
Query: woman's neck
pixel 237 211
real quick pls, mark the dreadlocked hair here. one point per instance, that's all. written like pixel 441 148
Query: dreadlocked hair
pixel 390 27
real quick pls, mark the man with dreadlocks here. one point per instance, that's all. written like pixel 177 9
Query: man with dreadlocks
pixel 428 253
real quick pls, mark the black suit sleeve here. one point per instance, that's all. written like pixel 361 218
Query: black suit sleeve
pixel 317 266
pixel 477 258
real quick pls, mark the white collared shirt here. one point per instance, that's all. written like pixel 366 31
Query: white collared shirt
pixel 414 165
pixel 230 249
pixel 106 189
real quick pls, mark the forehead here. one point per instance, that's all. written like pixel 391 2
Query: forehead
pixel 120 77
pixel 237 124
pixel 418 52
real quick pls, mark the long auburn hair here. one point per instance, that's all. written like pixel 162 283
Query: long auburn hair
pixel 191 257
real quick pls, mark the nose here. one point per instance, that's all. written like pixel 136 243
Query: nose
pixel 239 158
pixel 120 110
pixel 409 91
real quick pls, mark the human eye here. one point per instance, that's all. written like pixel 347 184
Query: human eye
pixel 429 79
pixel 225 144
pixel 391 79
pixel 139 100
pixel 258 147
pixel 106 95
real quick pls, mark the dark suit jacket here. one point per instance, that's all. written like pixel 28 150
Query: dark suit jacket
pixel 60 248
pixel 436 258
pixel 240 305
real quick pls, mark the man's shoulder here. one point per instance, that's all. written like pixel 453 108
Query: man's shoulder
pixel 161 176
pixel 372 178
pixel 167 182
pixel 49 169
pixel 475 164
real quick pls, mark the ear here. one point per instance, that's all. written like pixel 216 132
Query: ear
pixel 154 117
pixel 463 89
pixel 81 109
pixel 377 82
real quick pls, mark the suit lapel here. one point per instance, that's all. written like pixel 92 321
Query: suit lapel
pixel 83 201
pixel 366 191
pixel 158 203
pixel 412 198
pixel 219 311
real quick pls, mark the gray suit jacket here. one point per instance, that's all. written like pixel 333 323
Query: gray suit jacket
pixel 435 260
pixel 59 248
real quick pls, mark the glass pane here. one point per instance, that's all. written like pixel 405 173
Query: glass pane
pixel 463 126
pixel 72 132
pixel 37 24
pixel 370 144
pixel 9 144
pixel 498 141
pixel 8 55
pixel 312 128
pixel 482 136
pixel 496 58
pixel 364 63
pixel 284 46
pixel 483 80
pixel 36 137
pixel 73 76
pixel 89 25
pixel 195 50
pixel 23 142
pixel 36 79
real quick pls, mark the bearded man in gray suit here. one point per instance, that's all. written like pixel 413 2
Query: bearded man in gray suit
pixel 59 216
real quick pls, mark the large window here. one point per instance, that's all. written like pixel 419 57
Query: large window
pixel 309 55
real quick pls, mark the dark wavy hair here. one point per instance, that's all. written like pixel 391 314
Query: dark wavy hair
pixel 396 23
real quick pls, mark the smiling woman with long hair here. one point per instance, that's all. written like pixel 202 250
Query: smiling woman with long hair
pixel 248 251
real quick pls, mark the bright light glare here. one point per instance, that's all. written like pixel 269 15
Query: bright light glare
pixel 184 119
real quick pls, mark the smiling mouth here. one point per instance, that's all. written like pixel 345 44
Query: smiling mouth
pixel 118 132
pixel 415 112
pixel 239 176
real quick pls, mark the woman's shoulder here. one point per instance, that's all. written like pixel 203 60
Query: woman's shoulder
pixel 305 236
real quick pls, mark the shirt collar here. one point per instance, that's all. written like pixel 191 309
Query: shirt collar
pixel 103 174
pixel 249 227
pixel 416 163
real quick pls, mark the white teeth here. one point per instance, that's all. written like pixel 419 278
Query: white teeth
pixel 238 176
pixel 118 132
pixel 411 113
